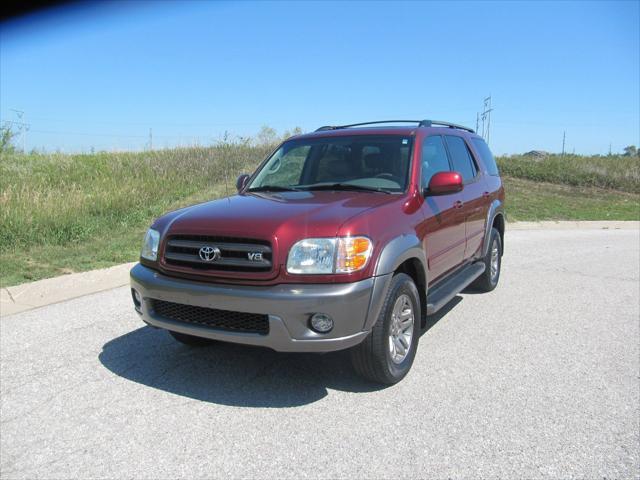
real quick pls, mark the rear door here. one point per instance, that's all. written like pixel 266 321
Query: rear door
pixel 475 202
pixel 443 228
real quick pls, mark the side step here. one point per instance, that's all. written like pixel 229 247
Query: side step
pixel 442 293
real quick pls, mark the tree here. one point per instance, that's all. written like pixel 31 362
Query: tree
pixel 267 136
pixel 7 134
pixel 630 151
pixel 295 131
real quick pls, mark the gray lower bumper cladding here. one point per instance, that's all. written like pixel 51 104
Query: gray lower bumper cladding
pixel 353 307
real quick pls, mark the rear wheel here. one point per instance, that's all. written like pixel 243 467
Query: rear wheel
pixel 387 354
pixel 191 340
pixel 493 263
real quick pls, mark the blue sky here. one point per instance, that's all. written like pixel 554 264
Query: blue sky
pixel 102 76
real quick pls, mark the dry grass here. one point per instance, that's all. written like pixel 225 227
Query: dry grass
pixel 615 172
pixel 58 199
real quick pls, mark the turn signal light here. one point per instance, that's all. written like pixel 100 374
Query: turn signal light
pixel 353 254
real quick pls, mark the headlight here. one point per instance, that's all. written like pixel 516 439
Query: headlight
pixel 312 255
pixel 329 255
pixel 150 245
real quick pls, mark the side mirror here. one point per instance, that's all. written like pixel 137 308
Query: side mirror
pixel 241 182
pixel 444 183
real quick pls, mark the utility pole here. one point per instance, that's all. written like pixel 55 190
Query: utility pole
pixel 486 119
pixel 564 135
pixel 609 148
pixel 477 121
pixel 150 139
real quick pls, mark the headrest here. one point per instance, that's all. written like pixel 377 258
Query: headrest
pixel 374 161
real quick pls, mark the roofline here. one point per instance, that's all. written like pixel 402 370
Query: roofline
pixel 421 123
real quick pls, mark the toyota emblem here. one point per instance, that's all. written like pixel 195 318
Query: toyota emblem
pixel 209 254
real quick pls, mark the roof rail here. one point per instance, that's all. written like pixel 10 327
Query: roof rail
pixel 438 123
pixel 421 123
pixel 337 127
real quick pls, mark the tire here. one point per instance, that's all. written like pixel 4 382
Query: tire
pixel 488 280
pixel 191 340
pixel 374 358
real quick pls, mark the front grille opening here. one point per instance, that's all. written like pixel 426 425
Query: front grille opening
pixel 213 318
pixel 236 254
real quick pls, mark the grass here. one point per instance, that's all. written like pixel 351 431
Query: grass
pixel 529 200
pixel 62 199
pixel 64 213
pixel 615 172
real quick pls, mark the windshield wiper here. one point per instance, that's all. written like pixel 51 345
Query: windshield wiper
pixel 272 188
pixel 345 186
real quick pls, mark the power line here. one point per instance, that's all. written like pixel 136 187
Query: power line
pixel 167 124
pixel 112 135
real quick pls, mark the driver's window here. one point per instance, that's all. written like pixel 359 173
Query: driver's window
pixel 434 159
pixel 284 169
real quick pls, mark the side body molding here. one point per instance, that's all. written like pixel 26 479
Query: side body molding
pixel 496 208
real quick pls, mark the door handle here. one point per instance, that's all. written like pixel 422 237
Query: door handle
pixel 458 204
pixel 485 194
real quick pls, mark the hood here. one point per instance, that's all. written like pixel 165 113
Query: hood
pixel 275 216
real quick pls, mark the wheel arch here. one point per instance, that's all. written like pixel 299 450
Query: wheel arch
pixel 402 254
pixel 498 224
pixel 495 218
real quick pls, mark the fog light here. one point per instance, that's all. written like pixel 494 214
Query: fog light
pixel 137 298
pixel 321 322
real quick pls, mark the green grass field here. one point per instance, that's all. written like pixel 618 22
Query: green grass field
pixel 64 213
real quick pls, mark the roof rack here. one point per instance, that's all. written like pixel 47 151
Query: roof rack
pixel 421 123
pixel 438 123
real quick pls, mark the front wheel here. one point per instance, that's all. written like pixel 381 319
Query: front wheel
pixel 386 355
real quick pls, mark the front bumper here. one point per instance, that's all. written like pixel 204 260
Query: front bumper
pixel 353 307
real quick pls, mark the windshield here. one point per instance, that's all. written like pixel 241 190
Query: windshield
pixel 358 162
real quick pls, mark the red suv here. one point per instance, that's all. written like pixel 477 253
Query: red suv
pixel 347 237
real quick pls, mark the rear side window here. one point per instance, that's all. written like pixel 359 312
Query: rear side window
pixel 486 156
pixel 434 158
pixel 461 158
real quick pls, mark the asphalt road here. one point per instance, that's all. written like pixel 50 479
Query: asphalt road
pixel 537 379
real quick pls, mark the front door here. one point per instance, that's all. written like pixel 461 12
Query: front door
pixel 443 225
pixel 475 204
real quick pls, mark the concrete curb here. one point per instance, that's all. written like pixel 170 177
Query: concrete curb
pixel 32 295
pixel 58 289
pixel 575 225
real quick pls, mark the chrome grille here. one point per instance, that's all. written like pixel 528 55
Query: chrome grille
pixel 236 254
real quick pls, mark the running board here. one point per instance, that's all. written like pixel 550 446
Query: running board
pixel 442 293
